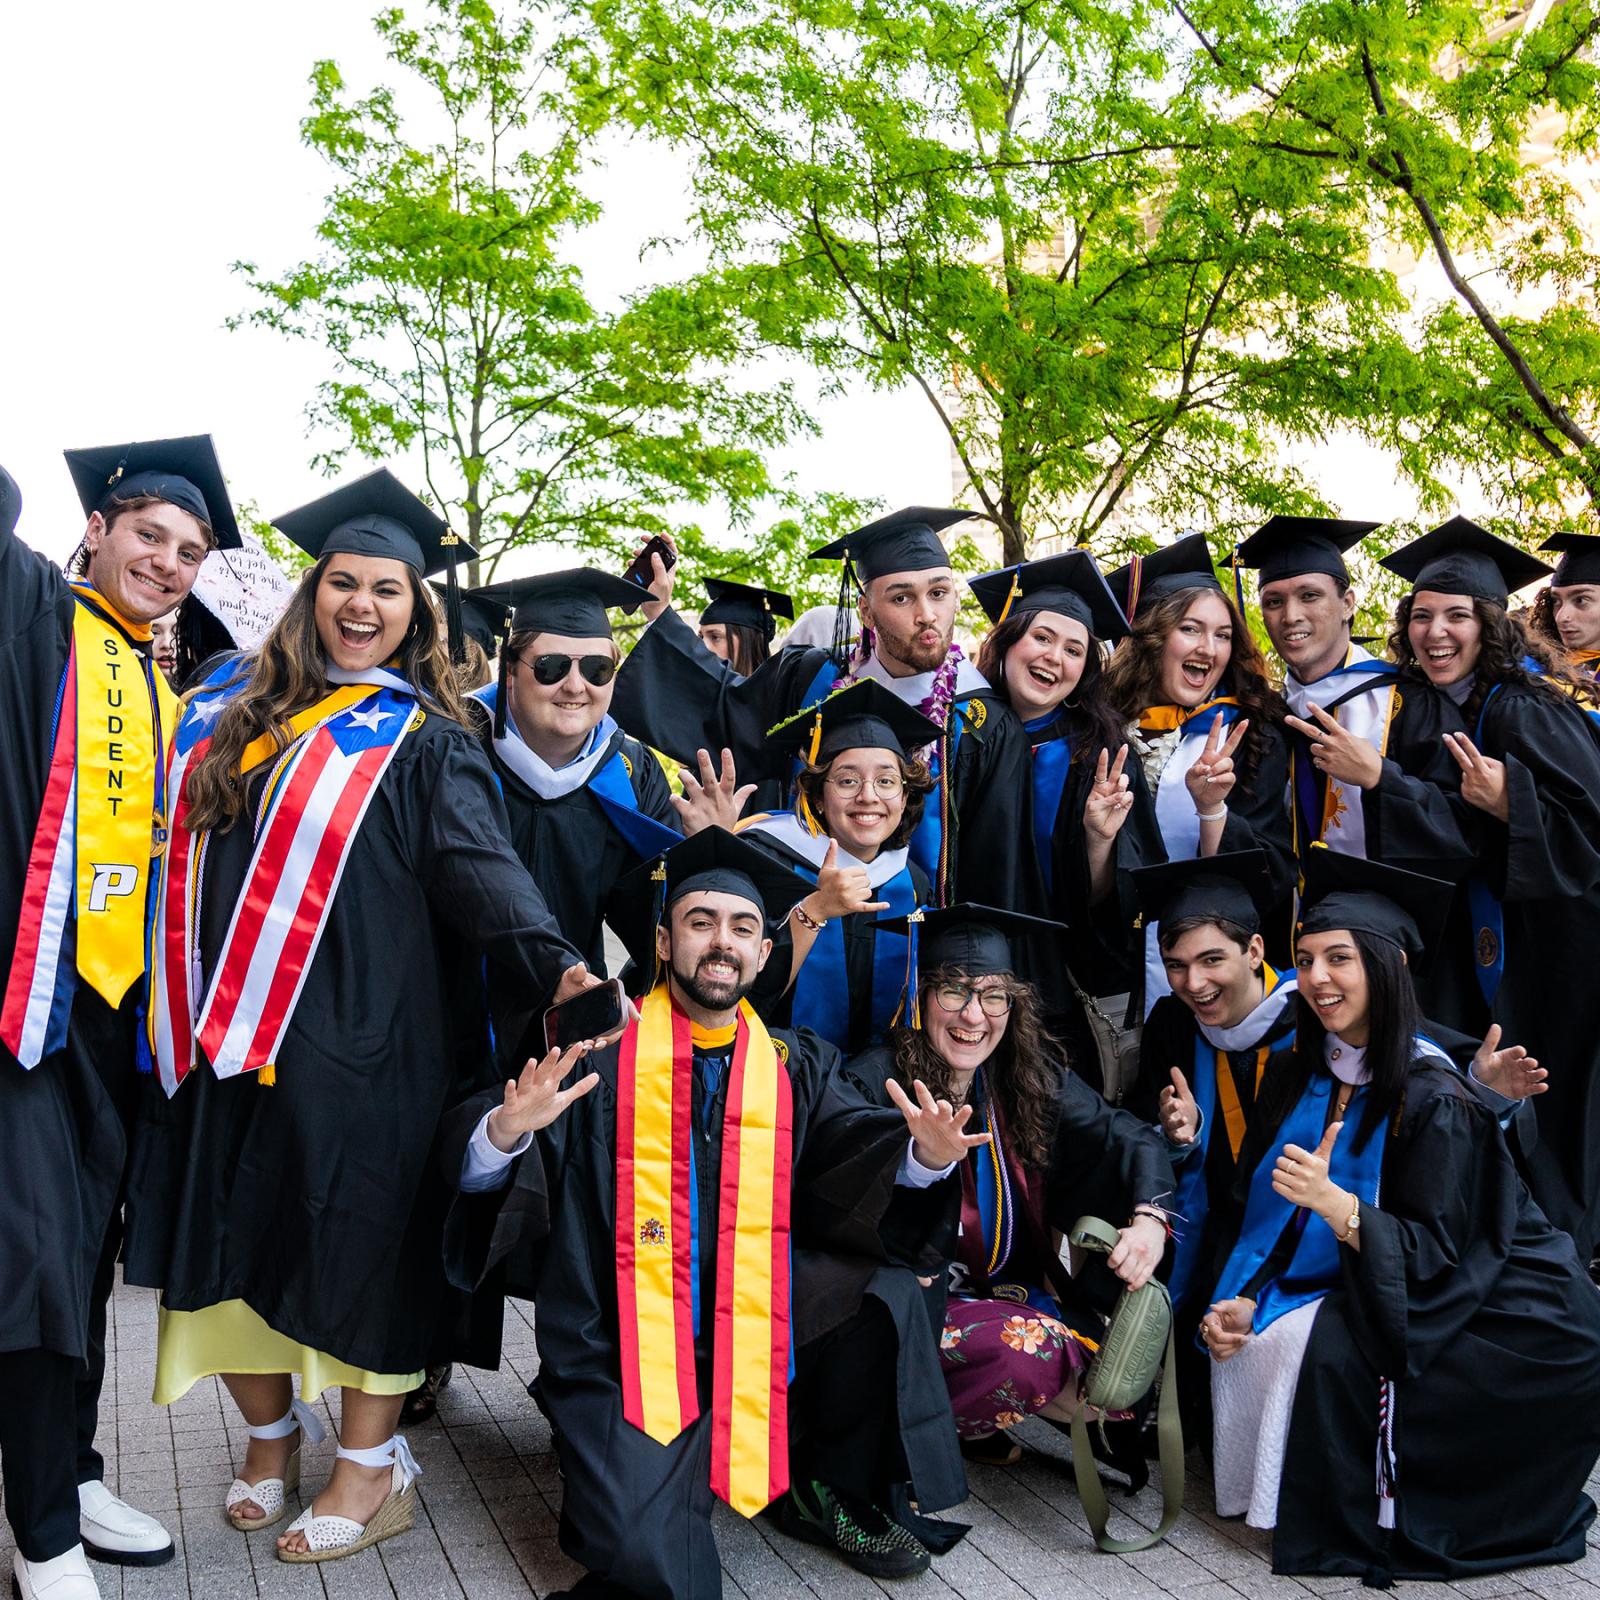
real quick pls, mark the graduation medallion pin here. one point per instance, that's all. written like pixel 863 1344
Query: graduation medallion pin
pixel 1488 947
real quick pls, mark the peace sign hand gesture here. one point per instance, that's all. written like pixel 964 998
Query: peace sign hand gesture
pixel 534 1100
pixel 1110 799
pixel 1483 779
pixel 936 1127
pixel 1339 752
pixel 1211 779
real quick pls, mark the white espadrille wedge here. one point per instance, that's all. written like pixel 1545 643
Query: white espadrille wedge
pixel 334 1538
pixel 271 1493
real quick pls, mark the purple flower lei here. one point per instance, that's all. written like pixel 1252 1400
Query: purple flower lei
pixel 935 705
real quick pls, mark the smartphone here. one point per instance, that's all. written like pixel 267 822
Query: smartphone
pixel 590 1015
pixel 641 572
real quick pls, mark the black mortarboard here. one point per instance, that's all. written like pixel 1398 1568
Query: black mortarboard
pixel 10 504
pixel 1236 887
pixel 183 472
pixel 482 617
pixel 861 716
pixel 744 605
pixel 1362 896
pixel 975 938
pixel 712 860
pixel 903 541
pixel 1070 583
pixel 1580 558
pixel 1286 547
pixel 572 602
pixel 1459 557
pixel 376 515
pixel 1184 564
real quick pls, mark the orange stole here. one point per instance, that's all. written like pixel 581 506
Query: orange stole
pixel 657 1254
pixel 1163 719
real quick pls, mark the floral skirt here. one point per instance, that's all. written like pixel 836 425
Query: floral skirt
pixel 1003 1362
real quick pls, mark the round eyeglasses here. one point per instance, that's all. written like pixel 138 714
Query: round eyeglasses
pixel 887 784
pixel 954 997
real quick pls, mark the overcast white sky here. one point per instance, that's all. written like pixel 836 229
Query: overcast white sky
pixel 147 147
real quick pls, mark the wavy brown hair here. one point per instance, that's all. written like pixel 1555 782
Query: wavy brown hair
pixel 1133 680
pixel 1024 1072
pixel 918 781
pixel 1505 644
pixel 287 674
pixel 1088 704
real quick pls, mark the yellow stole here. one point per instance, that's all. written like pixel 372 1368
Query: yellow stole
pixel 658 1254
pixel 1163 719
pixel 124 725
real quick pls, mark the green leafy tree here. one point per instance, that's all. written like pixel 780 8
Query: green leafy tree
pixel 459 328
pixel 1460 127
pixel 1043 219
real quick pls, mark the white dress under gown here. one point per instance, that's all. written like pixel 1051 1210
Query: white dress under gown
pixel 1252 1398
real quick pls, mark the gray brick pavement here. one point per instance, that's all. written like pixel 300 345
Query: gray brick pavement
pixel 489 1496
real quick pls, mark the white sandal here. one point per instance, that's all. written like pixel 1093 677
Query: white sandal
pixel 332 1538
pixel 270 1493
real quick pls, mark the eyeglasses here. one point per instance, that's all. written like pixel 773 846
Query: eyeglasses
pixel 551 669
pixel 954 997
pixel 888 784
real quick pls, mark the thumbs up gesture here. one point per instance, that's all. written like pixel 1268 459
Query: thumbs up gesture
pixel 1180 1116
pixel 1301 1176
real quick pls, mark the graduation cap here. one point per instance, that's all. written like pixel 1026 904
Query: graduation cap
pixel 1580 558
pixel 1361 896
pixel 1070 583
pixel 712 861
pixel 1459 557
pixel 376 515
pixel 184 472
pixel 482 617
pixel 571 603
pixel 975 938
pixel 861 716
pixel 1184 564
pixel 1235 887
pixel 1287 547
pixel 10 504
pixel 744 605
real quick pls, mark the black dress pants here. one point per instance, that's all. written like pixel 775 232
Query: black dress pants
pixel 39 1419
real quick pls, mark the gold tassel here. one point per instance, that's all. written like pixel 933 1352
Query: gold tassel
pixel 267 1076
pixel 1016 589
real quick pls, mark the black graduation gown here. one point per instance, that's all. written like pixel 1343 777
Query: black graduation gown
pixel 774 995
pixel 676 695
pixel 1464 1296
pixel 572 849
pixel 635 1512
pixel 1103 1162
pixel 62 1139
pixel 1544 867
pixel 316 1200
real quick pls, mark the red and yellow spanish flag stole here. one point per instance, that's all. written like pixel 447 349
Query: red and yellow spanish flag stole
pixel 750 1352
pixel 657 1255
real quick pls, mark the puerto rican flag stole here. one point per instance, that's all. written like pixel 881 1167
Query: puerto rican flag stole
pixel 306 817
pixel 658 1255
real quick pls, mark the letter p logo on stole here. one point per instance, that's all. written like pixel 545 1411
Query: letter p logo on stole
pixel 111 881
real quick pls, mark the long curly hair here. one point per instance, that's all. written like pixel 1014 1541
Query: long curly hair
pixel 1505 646
pixel 287 674
pixel 1024 1073
pixel 1088 705
pixel 1133 680
pixel 919 784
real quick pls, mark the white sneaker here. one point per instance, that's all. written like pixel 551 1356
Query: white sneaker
pixel 113 1531
pixel 64 1578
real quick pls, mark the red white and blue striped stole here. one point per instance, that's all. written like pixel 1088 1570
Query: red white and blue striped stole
pixel 309 811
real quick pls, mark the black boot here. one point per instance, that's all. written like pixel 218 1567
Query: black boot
pixel 423 1401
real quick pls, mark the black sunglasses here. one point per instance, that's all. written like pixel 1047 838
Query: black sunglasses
pixel 551 669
